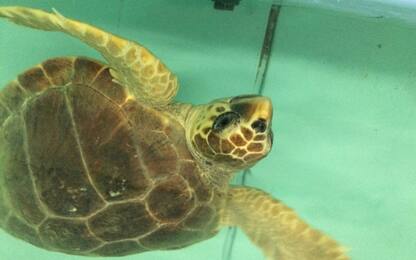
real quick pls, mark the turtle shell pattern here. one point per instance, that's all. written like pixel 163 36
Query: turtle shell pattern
pixel 87 170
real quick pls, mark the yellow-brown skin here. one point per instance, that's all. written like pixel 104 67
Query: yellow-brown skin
pixel 232 133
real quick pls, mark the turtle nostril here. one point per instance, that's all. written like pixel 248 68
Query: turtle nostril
pixel 259 125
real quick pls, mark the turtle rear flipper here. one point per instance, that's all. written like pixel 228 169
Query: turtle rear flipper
pixel 276 229
pixel 133 66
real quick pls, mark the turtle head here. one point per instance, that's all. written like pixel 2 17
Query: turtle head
pixel 233 133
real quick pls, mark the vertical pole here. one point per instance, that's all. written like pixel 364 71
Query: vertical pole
pixel 259 86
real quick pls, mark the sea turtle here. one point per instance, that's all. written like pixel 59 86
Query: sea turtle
pixel 97 159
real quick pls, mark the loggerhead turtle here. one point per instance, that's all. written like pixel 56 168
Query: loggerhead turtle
pixel 97 159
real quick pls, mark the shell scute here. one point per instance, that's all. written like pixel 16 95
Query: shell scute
pixel 122 221
pixel 56 159
pixel 12 96
pixel 154 137
pixel 119 249
pixel 17 178
pixel 200 217
pixel 170 200
pixel 109 145
pixel 105 84
pixel 160 156
pixel 59 70
pixel 85 70
pixel 68 235
pixel 4 112
pixel 4 210
pixel 190 171
pixel 23 231
pixel 143 117
pixel 34 80
pixel 173 237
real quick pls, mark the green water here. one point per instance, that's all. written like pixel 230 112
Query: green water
pixel 344 90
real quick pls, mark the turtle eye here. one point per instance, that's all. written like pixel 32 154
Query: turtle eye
pixel 224 120
pixel 259 125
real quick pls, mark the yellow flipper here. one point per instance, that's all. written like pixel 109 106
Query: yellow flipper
pixel 276 229
pixel 134 67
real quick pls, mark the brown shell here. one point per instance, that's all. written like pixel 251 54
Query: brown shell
pixel 85 170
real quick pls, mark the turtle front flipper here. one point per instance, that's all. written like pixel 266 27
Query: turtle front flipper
pixel 276 229
pixel 133 66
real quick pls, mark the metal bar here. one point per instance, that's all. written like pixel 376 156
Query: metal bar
pixel 266 49
pixel 259 85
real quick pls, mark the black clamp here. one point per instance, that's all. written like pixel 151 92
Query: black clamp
pixel 225 4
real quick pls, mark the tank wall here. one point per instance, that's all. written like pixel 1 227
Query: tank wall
pixel 343 87
pixel 401 10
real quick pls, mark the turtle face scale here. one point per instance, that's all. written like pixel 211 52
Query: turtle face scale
pixel 233 132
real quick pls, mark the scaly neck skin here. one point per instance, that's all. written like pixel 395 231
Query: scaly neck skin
pixel 179 111
pixel 217 175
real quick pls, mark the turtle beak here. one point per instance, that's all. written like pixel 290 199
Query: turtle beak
pixel 263 109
